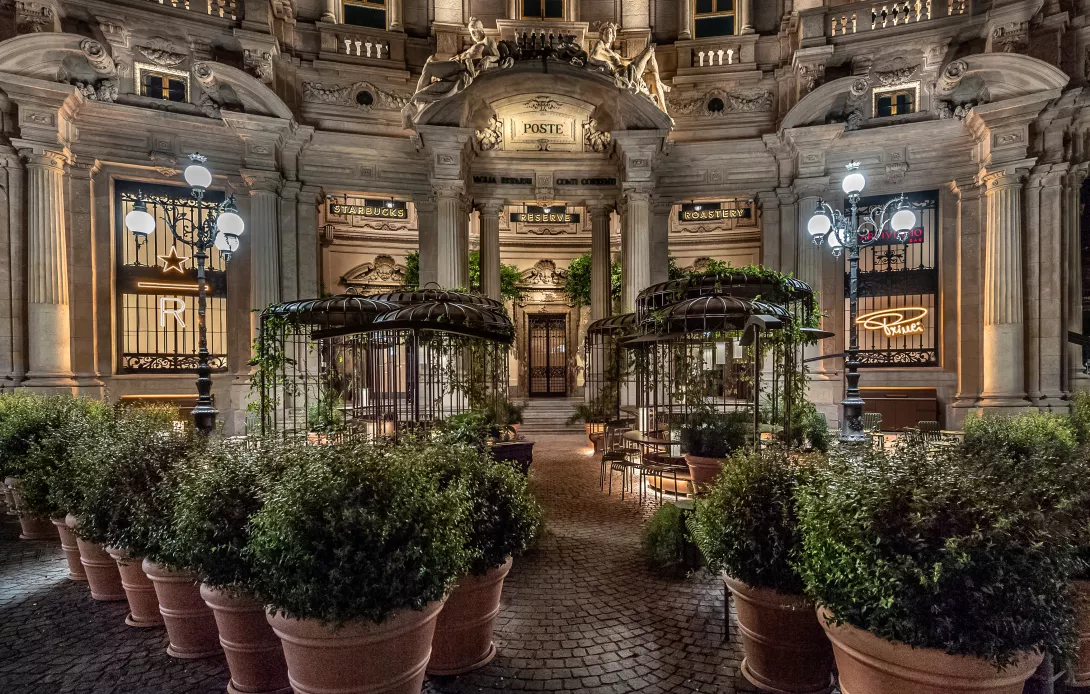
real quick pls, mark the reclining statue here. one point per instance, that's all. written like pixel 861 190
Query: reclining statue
pixel 632 74
pixel 444 78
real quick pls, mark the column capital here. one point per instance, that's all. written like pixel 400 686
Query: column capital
pixel 1004 176
pixel 489 208
pixel 424 202
pixel 448 188
pixel 260 180
pixel 42 156
pixel 636 192
pixel 811 187
pixel 660 206
pixel 598 208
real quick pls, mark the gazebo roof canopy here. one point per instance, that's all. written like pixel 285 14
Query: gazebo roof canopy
pixel 740 284
pixel 716 313
pixel 428 295
pixel 624 323
pixel 334 312
pixel 482 321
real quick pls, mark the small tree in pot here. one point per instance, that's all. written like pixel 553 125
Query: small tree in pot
pixel 746 526
pixel 50 485
pixel 127 505
pixel 943 570
pixel 503 520
pixel 709 437
pixel 219 492
pixel 355 554
pixel 25 420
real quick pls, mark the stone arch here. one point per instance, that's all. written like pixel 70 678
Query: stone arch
pixel 615 109
pixel 813 108
pixel 234 84
pixel 52 56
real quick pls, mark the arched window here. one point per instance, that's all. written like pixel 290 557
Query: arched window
pixel 365 13
pixel 713 18
pixel 542 9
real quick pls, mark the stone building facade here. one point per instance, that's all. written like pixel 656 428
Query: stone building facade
pixel 354 133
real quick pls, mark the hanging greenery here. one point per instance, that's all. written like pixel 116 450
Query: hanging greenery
pixel 577 284
pixel 510 276
pixel 269 358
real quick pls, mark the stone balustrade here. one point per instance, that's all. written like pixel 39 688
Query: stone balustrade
pixel 868 16
pixel 716 54
pixel 215 8
pixel 360 44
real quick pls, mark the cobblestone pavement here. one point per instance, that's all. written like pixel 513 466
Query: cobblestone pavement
pixel 580 613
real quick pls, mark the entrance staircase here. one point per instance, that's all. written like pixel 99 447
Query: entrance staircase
pixel 547 416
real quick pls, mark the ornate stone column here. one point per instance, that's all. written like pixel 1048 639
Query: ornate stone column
pixel 745 21
pixel 490 248
pixel 13 290
pixel 263 235
pixel 601 301
pixel 452 248
pixel 635 246
pixel 393 7
pixel 969 323
pixel 1047 331
pixel 769 204
pixel 660 241
pixel 329 12
pixel 1077 380
pixel 685 19
pixel 49 316
pixel 1004 329
pixel 307 240
pixel 428 241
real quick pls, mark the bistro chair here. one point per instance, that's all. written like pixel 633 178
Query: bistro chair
pixel 929 429
pixel 872 425
pixel 620 460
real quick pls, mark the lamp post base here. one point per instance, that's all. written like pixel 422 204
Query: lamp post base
pixel 204 419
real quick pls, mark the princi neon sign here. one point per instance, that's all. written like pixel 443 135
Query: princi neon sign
pixel 895 321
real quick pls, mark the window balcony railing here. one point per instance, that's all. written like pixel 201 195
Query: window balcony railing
pixel 863 17
pixel 346 42
pixel 227 9
pixel 714 54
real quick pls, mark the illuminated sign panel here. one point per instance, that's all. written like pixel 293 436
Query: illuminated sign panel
pixel 710 211
pixel 537 215
pixel 895 321
pixel 373 209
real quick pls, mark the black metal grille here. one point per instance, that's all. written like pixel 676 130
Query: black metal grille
pixel 548 356
pixel 894 276
pixel 157 307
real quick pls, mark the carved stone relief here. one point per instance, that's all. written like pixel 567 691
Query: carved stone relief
pixel 259 63
pixel 741 101
pixel 333 95
pixel 490 138
pixel 162 52
pixel 384 271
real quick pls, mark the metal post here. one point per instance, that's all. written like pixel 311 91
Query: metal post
pixel 851 425
pixel 204 414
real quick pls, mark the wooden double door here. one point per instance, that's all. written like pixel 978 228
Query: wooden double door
pixel 548 359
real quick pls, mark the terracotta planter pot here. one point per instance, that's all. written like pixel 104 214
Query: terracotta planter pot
pixel 785 648
pixel 254 654
pixel 870 665
pixel 71 550
pixel 143 605
pixel 703 471
pixel 191 626
pixel 36 528
pixel 360 657
pixel 1080 669
pixel 100 568
pixel 463 631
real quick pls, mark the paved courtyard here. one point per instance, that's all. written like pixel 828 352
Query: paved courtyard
pixel 580 613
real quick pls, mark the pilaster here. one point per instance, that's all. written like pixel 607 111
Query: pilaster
pixel 601 300
pixel 263 237
pixel 307 240
pixel 490 248
pixel 635 246
pixel 659 260
pixel 427 221
pixel 451 243
pixel 1076 378
pixel 13 306
pixel 81 276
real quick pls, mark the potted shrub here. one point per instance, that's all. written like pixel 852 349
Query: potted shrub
pixel 594 417
pixel 354 553
pixel 218 492
pixel 746 526
pixel 943 570
pixel 50 485
pixel 24 419
pixel 1079 669
pixel 128 505
pixel 503 520
pixel 668 544
pixel 708 437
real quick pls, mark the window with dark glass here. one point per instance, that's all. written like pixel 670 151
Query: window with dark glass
pixel 365 13
pixel 895 102
pixel 161 85
pixel 713 18
pixel 542 9
pixel 157 286
pixel 898 312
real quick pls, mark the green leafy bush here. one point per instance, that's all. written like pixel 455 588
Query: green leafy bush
pixel 358 534
pixel 1080 417
pixel 503 517
pixel 946 549
pixel 1034 435
pixel 49 484
pixel 667 544
pixel 129 477
pixel 807 425
pixel 746 522
pixel 24 420
pixel 711 434
pixel 219 491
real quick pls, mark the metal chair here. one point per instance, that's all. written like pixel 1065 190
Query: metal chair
pixel 618 459
pixel 872 422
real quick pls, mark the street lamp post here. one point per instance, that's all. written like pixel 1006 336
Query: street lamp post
pixel 849 234
pixel 200 233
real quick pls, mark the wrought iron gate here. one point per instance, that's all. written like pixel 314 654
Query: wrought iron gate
pixel 548 338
